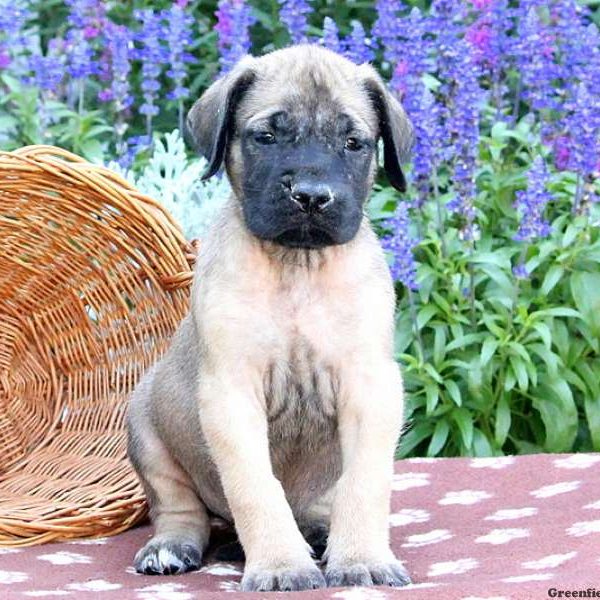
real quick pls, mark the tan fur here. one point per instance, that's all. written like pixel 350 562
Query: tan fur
pixel 279 397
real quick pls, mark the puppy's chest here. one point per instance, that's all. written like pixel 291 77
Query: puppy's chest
pixel 300 391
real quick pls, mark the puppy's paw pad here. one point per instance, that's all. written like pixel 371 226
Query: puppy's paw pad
pixel 360 574
pixel 283 580
pixel 167 558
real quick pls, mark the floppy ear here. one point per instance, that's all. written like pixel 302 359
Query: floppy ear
pixel 395 130
pixel 210 122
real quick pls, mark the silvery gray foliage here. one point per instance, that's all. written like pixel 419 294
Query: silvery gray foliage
pixel 174 180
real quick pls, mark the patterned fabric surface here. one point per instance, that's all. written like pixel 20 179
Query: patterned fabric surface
pixel 504 528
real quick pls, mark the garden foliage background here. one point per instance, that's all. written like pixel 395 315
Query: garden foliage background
pixel 495 248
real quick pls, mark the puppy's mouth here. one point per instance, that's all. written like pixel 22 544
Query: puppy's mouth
pixel 304 237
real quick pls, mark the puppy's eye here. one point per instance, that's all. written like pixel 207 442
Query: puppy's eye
pixel 352 144
pixel 264 137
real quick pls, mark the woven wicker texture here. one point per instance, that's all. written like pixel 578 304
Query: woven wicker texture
pixel 94 278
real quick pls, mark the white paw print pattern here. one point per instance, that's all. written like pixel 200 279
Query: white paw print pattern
pixel 220 569
pixel 464 497
pixel 563 487
pixel 549 562
pixel 8 577
pixel 502 536
pixel 359 593
pixel 593 505
pixel 507 514
pixel 526 578
pixel 90 542
pixel 163 591
pixel 431 537
pixel 492 462
pixel 66 558
pixel 584 528
pixel 229 586
pixel 406 481
pixel 10 550
pixel 406 516
pixel 577 461
pixel 452 567
pixel 46 593
pixel 95 585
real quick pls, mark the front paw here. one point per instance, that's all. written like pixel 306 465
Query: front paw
pixel 162 556
pixel 283 579
pixel 390 573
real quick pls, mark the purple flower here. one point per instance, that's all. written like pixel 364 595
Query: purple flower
pixel 461 123
pixel 530 204
pixel 520 271
pixel 331 35
pixel 4 58
pixel 562 152
pixel 85 14
pixel 400 245
pixel 488 34
pixel 412 53
pixel 86 18
pixel 80 55
pixel 234 19
pixel 120 51
pixel 179 38
pixel 387 27
pixel 152 54
pixel 14 15
pixel 534 49
pixel 48 71
pixel 425 114
pixel 358 48
pixel 293 15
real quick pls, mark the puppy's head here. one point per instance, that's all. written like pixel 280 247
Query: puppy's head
pixel 298 130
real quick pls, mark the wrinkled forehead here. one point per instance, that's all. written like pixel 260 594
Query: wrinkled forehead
pixel 318 97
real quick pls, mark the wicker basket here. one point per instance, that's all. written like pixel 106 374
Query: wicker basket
pixel 94 278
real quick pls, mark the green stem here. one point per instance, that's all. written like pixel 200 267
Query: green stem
pixel 440 214
pixel 81 94
pixel 413 315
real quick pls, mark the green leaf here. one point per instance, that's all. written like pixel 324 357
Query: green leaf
pixel 585 288
pixel 489 347
pixel 413 437
pixel 425 314
pixel 430 370
pixel 465 340
pixel 544 332
pixel 463 419
pixel 558 312
pixel 592 415
pixel 432 393
pixel 439 345
pixel 510 380
pixel 520 371
pixel 440 435
pixel 553 276
pixel 502 422
pixel 571 233
pixel 500 258
pixel 551 359
pixel 553 399
pixel 481 445
pixel 454 392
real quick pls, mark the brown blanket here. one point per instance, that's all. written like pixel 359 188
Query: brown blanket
pixel 506 528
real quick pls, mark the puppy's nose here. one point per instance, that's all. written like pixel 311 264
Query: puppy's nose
pixel 312 197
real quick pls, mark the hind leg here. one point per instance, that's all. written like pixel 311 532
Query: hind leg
pixel 181 523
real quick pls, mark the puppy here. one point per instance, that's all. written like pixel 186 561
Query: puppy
pixel 279 405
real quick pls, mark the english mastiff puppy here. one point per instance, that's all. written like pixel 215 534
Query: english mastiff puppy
pixel 279 405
